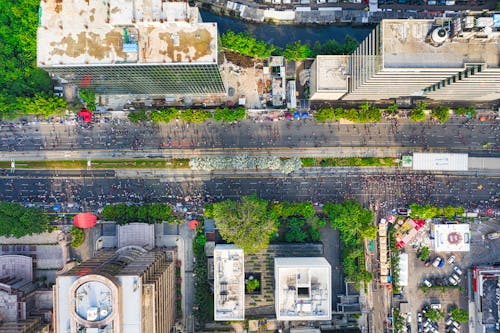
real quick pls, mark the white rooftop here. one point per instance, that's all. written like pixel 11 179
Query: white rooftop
pixel 405 45
pixel 229 283
pixel 77 32
pixel 302 288
pixel 440 162
pixel 331 73
pixel 451 237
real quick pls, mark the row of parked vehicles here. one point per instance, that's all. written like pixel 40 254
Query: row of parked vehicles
pixel 454 279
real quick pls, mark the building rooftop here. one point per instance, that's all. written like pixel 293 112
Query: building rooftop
pixel 229 283
pixel 408 44
pixel 303 288
pixel 451 237
pixel 331 73
pixel 75 32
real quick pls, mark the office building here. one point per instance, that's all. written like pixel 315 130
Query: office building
pixel 128 290
pixel 302 288
pixel 229 283
pixel 129 47
pixel 484 310
pixel 455 59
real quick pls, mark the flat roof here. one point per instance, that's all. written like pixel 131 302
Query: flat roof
pixel 229 283
pixel 451 237
pixel 440 161
pixel 75 32
pixel 405 46
pixel 331 73
pixel 302 288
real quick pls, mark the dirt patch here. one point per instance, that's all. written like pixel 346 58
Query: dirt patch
pixel 238 59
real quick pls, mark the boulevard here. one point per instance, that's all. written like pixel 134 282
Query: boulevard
pixel 91 190
pixel 456 135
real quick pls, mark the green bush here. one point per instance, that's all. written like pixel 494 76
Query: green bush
pixel 295 233
pixel 252 285
pixel 423 253
pixel 137 116
pixel 417 113
pixel 77 236
pixel 460 315
pixel 441 113
pixel 366 113
pixel 228 115
pixel 246 45
pixel 88 97
pixel 208 211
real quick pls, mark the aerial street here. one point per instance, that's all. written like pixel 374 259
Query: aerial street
pixel 277 166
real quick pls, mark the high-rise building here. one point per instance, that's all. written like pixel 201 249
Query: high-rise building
pixel 129 47
pixel 441 59
pixel 128 290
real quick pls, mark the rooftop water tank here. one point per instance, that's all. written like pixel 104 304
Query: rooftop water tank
pixel 439 35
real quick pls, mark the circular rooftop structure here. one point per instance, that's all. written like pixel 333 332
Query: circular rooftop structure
pixel 93 301
pixel 96 300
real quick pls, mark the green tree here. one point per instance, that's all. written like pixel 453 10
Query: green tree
pixel 18 221
pixel 247 223
pixel 369 232
pixel 246 45
pixel 88 97
pixel 460 315
pixel 434 314
pixel 424 212
pixel 228 115
pixel 251 285
pixel 392 109
pixel 441 113
pixel 208 211
pixel 297 51
pixel 294 233
pixel 137 116
pixel 417 113
pixel 146 213
pixel 423 253
pixel 77 236
pixel 348 216
pixel 324 114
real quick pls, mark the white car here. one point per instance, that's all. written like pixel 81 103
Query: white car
pixel 451 259
pixel 456 277
pixel 452 281
pixel 436 262
pixel 457 270
pixel 427 283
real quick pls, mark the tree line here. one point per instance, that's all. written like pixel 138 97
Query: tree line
pixel 188 115
pixel 245 44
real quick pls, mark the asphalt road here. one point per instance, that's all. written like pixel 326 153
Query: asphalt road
pixel 457 133
pixel 391 188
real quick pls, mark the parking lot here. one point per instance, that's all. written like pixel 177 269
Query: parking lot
pixel 482 251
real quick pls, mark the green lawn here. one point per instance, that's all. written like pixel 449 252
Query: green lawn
pixel 348 161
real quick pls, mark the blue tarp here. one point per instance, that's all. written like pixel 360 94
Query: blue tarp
pixel 305 115
pixel 496 20
pixel 57 208
pixel 296 115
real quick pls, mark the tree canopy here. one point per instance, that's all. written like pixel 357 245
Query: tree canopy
pixel 20 79
pixel 17 221
pixel 146 213
pixel 247 223
pixel 460 315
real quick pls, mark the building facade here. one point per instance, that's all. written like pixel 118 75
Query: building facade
pixel 129 47
pixel 129 290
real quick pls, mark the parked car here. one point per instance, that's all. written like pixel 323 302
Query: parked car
pixel 456 277
pixel 427 263
pixel 436 306
pixel 408 317
pixel 449 322
pixel 452 281
pixel 419 317
pixel 436 261
pixel 457 270
pixel 427 283
pixel 441 263
pixel 404 211
pixel 456 324
pixel 451 259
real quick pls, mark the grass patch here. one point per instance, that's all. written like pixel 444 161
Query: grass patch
pixel 102 164
pixel 348 161
pixel 77 237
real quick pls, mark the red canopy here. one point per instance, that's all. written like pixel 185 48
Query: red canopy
pixel 85 220
pixel 86 115
pixel 193 224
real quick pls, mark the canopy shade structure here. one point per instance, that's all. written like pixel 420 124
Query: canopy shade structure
pixel 86 115
pixel 85 220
